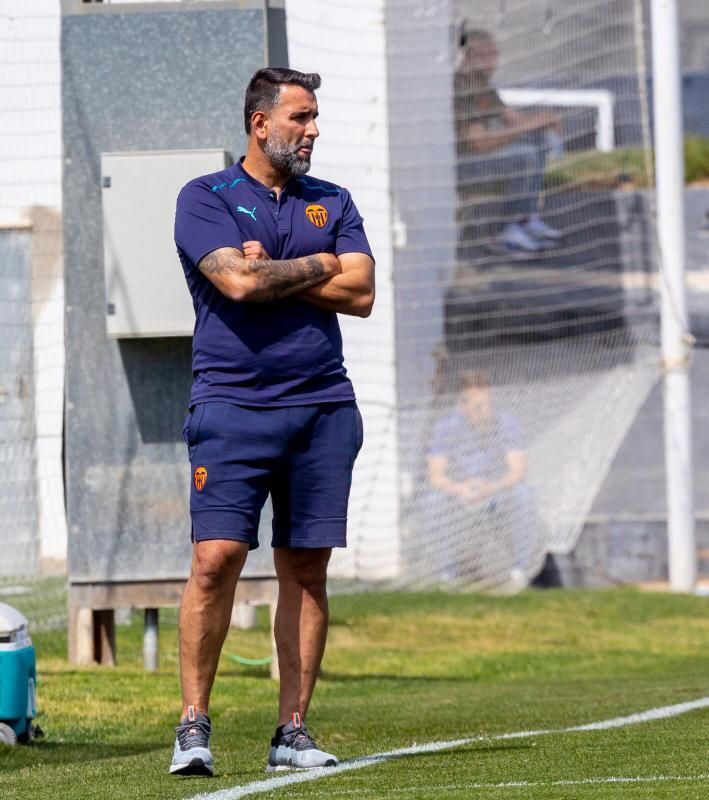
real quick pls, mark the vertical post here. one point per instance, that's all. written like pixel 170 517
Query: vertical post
pixel 669 166
pixel 151 651
pixel 275 668
pixel 104 625
pixel 81 636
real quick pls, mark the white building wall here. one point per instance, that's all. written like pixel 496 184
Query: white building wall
pixel 30 135
pixel 424 200
pixel 30 194
pixel 423 163
pixel 346 43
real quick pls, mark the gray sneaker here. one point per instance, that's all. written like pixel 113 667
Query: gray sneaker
pixel 294 748
pixel 538 229
pixel 191 755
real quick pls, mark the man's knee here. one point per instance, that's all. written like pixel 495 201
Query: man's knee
pixel 217 561
pixel 305 568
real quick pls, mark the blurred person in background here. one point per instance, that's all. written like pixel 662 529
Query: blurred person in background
pixel 499 143
pixel 477 466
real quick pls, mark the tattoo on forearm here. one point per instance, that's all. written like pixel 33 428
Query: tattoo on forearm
pixel 274 279
pixel 220 262
pixel 280 278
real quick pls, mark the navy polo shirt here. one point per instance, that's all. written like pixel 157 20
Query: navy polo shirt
pixel 281 353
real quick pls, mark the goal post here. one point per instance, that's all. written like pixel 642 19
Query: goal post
pixel 519 360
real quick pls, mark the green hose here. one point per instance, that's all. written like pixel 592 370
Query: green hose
pixel 249 662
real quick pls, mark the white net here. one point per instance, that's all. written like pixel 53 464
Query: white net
pixel 520 366
pixel 503 176
pixel 33 537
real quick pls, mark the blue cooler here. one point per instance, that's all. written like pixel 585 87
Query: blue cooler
pixel 18 706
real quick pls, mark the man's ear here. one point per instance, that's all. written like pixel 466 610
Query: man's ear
pixel 259 124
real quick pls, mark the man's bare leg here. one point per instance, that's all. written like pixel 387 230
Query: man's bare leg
pixel 301 625
pixel 205 613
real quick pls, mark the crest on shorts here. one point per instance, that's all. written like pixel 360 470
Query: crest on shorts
pixel 200 478
pixel 317 214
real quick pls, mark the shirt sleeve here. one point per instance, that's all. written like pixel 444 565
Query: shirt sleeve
pixel 203 223
pixel 442 437
pixel 486 106
pixel 511 432
pixel 351 237
pixel 461 98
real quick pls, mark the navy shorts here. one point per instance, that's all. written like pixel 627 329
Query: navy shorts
pixel 302 455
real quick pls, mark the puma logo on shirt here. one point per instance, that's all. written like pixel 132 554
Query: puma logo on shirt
pixel 251 213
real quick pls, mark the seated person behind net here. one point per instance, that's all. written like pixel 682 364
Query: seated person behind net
pixel 477 461
pixel 496 142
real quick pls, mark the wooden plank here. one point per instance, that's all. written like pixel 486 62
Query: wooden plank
pixel 138 594
pixel 92 632
pixel 160 594
pixel 257 591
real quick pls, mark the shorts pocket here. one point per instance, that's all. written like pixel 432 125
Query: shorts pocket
pixel 186 428
pixel 358 431
pixel 193 423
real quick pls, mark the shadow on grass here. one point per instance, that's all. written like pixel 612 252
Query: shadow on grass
pixel 264 673
pixel 238 671
pixel 399 679
pixel 72 752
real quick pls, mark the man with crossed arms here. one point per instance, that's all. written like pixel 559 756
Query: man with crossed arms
pixel 270 257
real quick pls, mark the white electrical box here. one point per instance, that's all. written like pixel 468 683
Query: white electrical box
pixel 146 292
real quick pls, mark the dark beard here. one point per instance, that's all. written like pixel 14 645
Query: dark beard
pixel 285 157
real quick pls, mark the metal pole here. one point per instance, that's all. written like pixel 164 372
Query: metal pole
pixel 676 344
pixel 151 649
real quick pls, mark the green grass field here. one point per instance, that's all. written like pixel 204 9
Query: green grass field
pixel 403 669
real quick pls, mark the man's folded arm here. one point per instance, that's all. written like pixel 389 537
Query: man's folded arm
pixel 351 292
pixel 263 280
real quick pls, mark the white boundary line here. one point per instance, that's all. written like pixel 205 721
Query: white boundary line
pixel 449 787
pixel 270 784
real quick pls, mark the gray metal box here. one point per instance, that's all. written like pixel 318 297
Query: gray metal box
pixel 146 293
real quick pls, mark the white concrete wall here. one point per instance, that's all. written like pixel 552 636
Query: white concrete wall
pixel 422 153
pixel 30 135
pixel 48 324
pixel 30 193
pixel 346 43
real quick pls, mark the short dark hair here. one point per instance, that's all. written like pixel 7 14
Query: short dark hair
pixel 264 87
pixel 472 35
